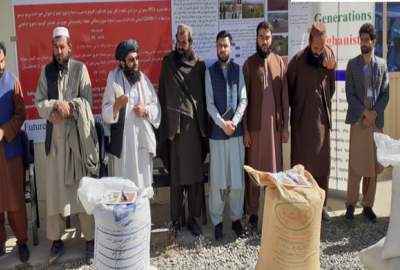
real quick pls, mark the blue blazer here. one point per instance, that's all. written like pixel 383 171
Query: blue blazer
pixel 355 89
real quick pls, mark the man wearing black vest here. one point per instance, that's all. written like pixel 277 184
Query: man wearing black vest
pixel 226 103
pixel 62 82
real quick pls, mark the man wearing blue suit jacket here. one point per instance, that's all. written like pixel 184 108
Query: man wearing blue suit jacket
pixel 367 92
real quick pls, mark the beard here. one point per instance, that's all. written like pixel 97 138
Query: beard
pixel 315 60
pixel 61 64
pixel 133 75
pixel 223 60
pixel 366 50
pixel 263 54
pixel 184 55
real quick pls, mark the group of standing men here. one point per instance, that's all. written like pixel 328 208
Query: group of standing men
pixel 240 115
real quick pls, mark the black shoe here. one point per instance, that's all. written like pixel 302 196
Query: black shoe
pixel 90 249
pixel 2 250
pixel 349 212
pixel 253 221
pixel 57 249
pixel 325 215
pixel 23 253
pixel 218 232
pixel 173 230
pixel 237 228
pixel 369 214
pixel 194 227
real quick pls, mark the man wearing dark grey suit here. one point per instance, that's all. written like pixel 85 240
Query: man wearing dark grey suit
pixel 367 92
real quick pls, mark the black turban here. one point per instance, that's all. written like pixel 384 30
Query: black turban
pixel 125 47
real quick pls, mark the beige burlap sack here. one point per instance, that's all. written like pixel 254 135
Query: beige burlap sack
pixel 292 220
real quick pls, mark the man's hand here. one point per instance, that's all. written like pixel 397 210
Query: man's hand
pixel 1 134
pixel 139 110
pixel 246 138
pixel 55 117
pixel 285 136
pixel 63 108
pixel 229 128
pixel 329 60
pixel 120 102
pixel 365 122
pixel 371 116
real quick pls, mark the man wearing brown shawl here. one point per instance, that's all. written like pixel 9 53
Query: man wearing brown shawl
pixel 266 119
pixel 182 133
pixel 311 84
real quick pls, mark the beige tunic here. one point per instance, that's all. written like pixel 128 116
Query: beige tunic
pixel 362 152
pixel 61 198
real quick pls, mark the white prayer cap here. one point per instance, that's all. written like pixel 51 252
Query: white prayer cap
pixel 60 31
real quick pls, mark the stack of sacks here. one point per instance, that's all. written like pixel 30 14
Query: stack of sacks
pixel 292 219
pixel 386 253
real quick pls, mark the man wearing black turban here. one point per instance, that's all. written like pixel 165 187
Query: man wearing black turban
pixel 131 107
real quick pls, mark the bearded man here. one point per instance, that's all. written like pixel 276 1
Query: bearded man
pixel 182 135
pixel 131 107
pixel 64 85
pixel 367 93
pixel 226 103
pixel 311 84
pixel 266 120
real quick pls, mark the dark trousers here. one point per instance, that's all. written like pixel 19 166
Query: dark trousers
pixel 195 198
pixel 323 182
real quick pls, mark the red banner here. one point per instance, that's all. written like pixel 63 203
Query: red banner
pixel 95 30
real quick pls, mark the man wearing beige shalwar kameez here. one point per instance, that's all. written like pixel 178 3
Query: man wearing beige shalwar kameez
pixel 367 92
pixel 60 82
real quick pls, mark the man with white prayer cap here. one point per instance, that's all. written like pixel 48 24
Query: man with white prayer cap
pixel 63 91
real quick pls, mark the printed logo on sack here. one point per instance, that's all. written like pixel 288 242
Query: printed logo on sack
pixel 123 214
pixel 295 216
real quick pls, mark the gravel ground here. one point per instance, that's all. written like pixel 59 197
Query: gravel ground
pixel 340 243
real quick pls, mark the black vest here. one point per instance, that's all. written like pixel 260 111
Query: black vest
pixel 218 83
pixel 117 129
pixel 51 72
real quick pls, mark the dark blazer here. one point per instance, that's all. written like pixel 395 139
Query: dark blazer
pixel 355 89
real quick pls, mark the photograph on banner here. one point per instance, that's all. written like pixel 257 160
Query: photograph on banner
pixel 230 9
pixel 279 21
pixel 280 45
pixel 253 9
pixel 274 5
